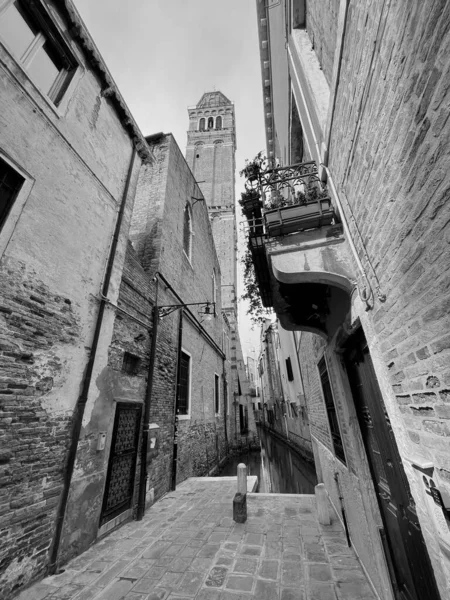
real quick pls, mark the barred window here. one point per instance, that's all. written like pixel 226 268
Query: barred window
pixel 184 385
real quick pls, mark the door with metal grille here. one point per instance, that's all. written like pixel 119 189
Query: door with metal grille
pixel 122 461
pixel 410 568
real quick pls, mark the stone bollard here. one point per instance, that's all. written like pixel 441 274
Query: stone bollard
pixel 242 478
pixel 240 498
pixel 323 511
pixel 240 508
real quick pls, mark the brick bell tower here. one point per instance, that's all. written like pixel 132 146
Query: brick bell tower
pixel 210 153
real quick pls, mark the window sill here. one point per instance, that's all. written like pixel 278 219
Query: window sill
pixel 184 417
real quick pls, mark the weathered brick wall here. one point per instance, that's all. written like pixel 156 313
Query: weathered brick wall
pixel 164 190
pixel 321 25
pixel 53 252
pixel 389 150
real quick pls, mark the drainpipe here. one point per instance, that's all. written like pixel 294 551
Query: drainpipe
pixel 82 399
pixel 225 406
pixel 175 428
pixel 147 404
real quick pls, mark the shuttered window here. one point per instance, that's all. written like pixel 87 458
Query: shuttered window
pixel 331 411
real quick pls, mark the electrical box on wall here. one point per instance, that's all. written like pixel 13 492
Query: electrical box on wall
pixel 153 441
pixel 101 441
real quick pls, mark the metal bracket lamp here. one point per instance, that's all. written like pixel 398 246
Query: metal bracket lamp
pixel 207 313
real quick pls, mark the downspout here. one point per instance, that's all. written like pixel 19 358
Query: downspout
pixel 82 399
pixel 225 407
pixel 147 405
pixel 175 428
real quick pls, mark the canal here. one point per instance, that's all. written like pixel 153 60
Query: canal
pixel 280 470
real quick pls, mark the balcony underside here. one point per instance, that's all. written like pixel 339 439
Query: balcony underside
pixel 312 280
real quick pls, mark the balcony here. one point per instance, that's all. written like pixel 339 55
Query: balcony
pixel 300 259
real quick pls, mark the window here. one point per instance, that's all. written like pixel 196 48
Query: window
pixel 219 123
pixel 184 384
pixel 210 123
pixel 38 46
pixel 130 363
pixel 187 231
pixel 216 393
pixel 201 125
pixel 290 374
pixel 336 437
pixel 10 184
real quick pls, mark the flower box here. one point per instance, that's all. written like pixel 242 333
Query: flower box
pixel 298 217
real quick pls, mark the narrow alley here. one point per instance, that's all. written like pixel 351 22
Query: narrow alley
pixel 189 547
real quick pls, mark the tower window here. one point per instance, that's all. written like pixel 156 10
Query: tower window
pixel 10 184
pixel 187 231
pixel 219 123
pixel 201 125
pixel 37 46
pixel 210 123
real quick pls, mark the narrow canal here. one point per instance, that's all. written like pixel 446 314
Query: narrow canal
pixel 280 470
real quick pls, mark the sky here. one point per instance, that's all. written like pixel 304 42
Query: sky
pixel 164 54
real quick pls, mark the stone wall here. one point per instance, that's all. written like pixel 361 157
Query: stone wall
pixel 53 252
pixel 321 25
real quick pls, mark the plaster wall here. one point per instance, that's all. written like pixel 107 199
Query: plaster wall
pixel 53 253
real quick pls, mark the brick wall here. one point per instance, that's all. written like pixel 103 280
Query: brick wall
pixel 53 252
pixel 321 25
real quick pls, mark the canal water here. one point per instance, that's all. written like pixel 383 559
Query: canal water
pixel 280 470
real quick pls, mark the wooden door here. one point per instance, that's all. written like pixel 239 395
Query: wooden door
pixel 122 461
pixel 411 571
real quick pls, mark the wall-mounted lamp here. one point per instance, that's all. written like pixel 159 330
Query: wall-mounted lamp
pixel 207 312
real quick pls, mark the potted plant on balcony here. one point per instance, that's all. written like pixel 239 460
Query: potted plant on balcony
pixel 252 168
pixel 250 201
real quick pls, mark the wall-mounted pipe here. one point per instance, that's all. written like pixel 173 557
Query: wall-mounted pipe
pixel 80 406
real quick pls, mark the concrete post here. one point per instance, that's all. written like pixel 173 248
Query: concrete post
pixel 241 479
pixel 323 511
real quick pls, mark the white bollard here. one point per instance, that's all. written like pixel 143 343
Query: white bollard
pixel 242 479
pixel 323 511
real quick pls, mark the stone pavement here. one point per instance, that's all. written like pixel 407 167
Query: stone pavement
pixel 188 547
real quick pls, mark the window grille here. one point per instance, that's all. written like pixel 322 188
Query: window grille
pixel 130 363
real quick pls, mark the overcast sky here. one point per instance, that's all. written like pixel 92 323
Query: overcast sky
pixel 163 54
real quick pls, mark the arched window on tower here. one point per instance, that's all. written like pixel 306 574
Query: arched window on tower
pixel 219 123
pixel 187 231
pixel 201 125
pixel 211 123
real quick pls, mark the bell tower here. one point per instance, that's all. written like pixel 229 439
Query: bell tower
pixel 210 153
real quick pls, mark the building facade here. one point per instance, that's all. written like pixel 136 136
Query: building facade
pixel 70 154
pixel 210 153
pixel 351 251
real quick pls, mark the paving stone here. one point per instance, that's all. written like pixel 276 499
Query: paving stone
pixel 132 596
pixel 294 594
pixel 66 592
pixel 160 594
pixel 88 593
pixel 173 550
pixel 156 551
pixel 293 555
pixel 98 566
pixel 217 537
pixel 111 573
pixel 224 561
pixel 208 594
pixel 315 553
pixel 254 539
pixel 269 569
pixel 169 580
pixel 321 592
pixel 319 572
pixel 354 590
pixel 242 583
pixel 180 564
pixel 216 577
pixel 190 583
pixel 251 551
pixel 133 572
pixel 189 551
pixel 201 564
pixel 291 574
pixel 266 590
pixel 245 565
pixel 344 562
pixel 208 551
pixel 163 561
pixel 117 590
